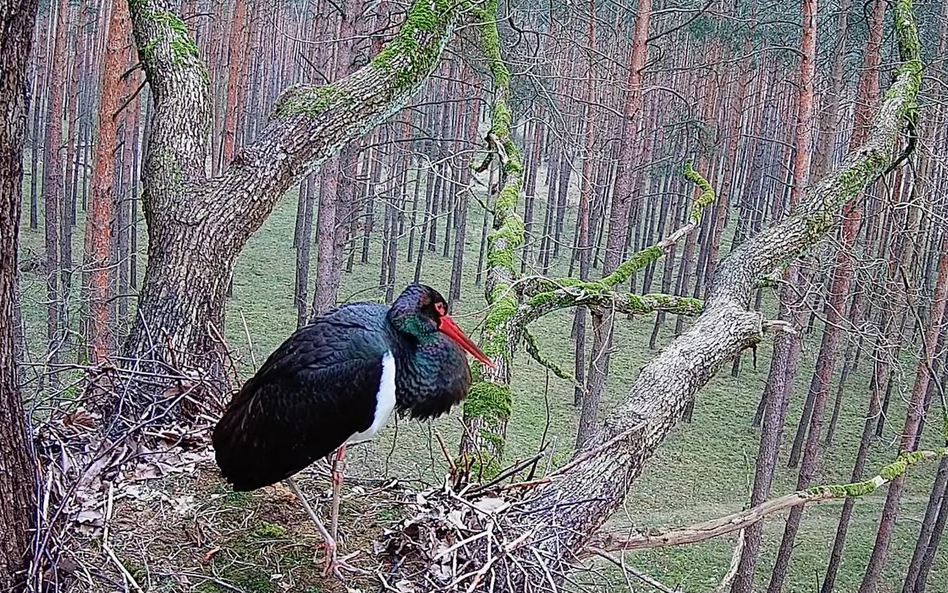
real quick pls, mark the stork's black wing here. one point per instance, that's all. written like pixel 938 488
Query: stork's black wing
pixel 311 395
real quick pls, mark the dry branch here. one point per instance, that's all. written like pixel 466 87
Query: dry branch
pixel 742 519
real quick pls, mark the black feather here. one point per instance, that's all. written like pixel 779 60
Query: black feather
pixel 307 399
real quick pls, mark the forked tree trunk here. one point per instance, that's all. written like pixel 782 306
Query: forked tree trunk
pixel 197 227
pixel 17 499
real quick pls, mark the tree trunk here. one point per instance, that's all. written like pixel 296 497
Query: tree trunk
pixel 68 220
pixel 38 99
pixel 530 200
pixel 53 190
pixel 197 227
pixel 589 401
pixel 309 190
pixel 235 73
pixel 17 486
pixel 914 581
pixel 937 532
pixel 787 347
pixel 100 217
pixel 631 114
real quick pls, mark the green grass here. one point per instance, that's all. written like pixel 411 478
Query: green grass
pixel 704 470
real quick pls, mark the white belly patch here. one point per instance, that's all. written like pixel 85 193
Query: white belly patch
pixel 384 400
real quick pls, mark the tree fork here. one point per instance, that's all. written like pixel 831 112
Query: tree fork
pixel 197 226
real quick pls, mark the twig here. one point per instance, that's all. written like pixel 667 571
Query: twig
pixel 637 573
pixel 725 583
pixel 108 548
pixel 444 450
pixel 509 472
pixel 596 450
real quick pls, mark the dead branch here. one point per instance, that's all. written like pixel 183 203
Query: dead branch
pixel 741 520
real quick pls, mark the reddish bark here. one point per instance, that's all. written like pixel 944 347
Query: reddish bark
pixel 101 212
pixel 238 53
pixel 867 94
pixel 913 418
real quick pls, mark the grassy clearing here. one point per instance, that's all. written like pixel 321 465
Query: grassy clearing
pixel 704 470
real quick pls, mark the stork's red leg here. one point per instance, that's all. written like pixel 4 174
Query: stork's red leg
pixel 329 539
pixel 333 564
pixel 338 472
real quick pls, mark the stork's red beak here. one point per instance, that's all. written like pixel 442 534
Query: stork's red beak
pixel 450 329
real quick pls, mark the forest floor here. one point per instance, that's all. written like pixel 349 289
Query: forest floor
pixel 193 533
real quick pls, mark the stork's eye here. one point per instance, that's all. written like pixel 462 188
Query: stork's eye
pixel 441 309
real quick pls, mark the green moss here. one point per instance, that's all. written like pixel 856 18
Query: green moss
pixel 265 529
pixel 684 305
pixel 496 441
pixel 533 348
pixel 182 46
pixel 489 401
pixel 503 306
pixel 500 257
pixel 501 120
pixel 842 490
pixel 405 57
pixel 387 515
pixel 626 269
pixel 905 459
pixel 485 467
pixel 490 42
pixel 542 299
pixel 309 101
pixel 707 192
pixel 507 200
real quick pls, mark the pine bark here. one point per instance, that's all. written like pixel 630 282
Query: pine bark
pixel 890 509
pixel 619 221
pixel 101 214
pixel 237 50
pixel 17 478
pixel 786 347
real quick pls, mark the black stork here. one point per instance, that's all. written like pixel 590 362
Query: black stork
pixel 336 381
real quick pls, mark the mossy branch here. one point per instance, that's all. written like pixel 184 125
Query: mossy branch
pixel 707 192
pixel 819 211
pixel 533 349
pixel 745 518
pixel 485 417
pixel 640 259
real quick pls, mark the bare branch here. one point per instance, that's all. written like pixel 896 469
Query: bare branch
pixel 737 521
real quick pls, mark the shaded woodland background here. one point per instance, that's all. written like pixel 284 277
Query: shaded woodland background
pixel 720 83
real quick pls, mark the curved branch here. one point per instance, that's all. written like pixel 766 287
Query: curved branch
pixel 307 126
pixel 631 304
pixel 310 123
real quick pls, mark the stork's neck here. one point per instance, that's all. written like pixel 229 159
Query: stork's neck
pixel 431 376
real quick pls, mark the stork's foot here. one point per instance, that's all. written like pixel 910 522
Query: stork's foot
pixel 336 566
